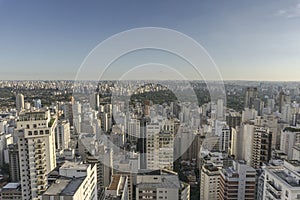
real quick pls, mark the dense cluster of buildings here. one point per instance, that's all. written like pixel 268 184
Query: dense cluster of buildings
pixel 91 148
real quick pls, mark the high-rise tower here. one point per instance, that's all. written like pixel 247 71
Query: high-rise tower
pixel 36 143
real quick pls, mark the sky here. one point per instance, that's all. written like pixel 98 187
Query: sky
pixel 247 40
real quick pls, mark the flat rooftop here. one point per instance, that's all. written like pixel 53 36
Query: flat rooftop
pixel 11 186
pixel 292 181
pixel 74 165
pixel 167 181
pixel 64 187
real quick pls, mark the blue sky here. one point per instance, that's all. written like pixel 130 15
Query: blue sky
pixel 248 40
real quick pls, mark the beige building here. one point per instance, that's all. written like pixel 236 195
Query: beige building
pixel 209 182
pixel 36 144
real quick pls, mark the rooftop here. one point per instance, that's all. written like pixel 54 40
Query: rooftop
pixel 11 186
pixel 64 187
pixel 292 181
pixel 211 167
pixel 74 165
pixel 291 129
pixel 167 181
pixel 115 182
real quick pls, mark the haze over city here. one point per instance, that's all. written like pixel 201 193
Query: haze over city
pixel 149 100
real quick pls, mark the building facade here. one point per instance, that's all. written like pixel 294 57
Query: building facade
pixel 36 144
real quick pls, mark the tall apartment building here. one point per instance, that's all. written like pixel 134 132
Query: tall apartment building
pixel 62 135
pixel 209 182
pixel 96 152
pixel 36 144
pixel 127 164
pixel 225 139
pixel 233 119
pixel 220 109
pixel 282 183
pixel 134 130
pixel 14 166
pixel 161 184
pixel 160 148
pixel 104 171
pixel 283 99
pixel 152 144
pixel 237 182
pixel 251 94
pixel 261 147
pixel 271 122
pixel 76 182
pixel 290 136
pixel 20 105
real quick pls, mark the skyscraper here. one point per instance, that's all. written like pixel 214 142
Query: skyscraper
pixel 62 135
pixel 36 143
pixel 237 182
pixel 209 182
pixel 160 147
pixel 251 94
pixel 290 136
pixel 20 102
pixel 261 146
pixel 134 130
pixel 14 167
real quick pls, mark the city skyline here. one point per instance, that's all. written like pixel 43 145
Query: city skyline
pixel 247 40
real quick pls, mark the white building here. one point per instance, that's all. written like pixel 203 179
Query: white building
pixel 62 135
pixel 248 114
pixel 237 182
pixel 220 109
pixel 246 142
pixel 296 152
pixel 76 182
pixel 282 183
pixel 160 147
pixel 134 130
pixel 152 131
pixel 161 184
pixel 290 137
pixel 36 143
pixel 20 102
